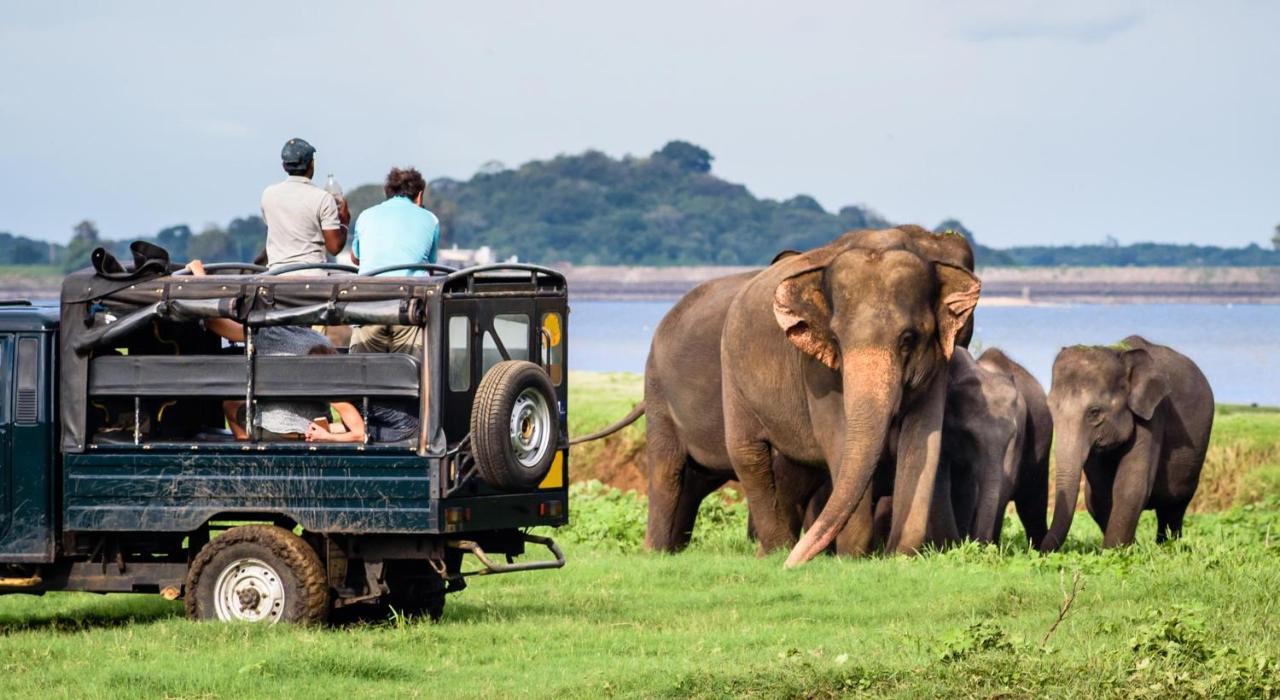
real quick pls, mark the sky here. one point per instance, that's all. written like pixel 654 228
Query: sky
pixel 1032 122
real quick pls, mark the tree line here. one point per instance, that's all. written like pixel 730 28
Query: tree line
pixel 663 209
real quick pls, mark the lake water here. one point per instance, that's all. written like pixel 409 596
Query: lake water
pixel 1238 347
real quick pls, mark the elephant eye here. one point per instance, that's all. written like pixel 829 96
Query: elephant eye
pixel 1093 414
pixel 907 341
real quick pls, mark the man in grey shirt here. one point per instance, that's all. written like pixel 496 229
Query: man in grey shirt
pixel 303 221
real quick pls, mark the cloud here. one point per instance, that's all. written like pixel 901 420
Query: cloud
pixel 1078 30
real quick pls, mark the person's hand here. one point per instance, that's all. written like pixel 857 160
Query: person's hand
pixel 197 268
pixel 317 433
pixel 344 212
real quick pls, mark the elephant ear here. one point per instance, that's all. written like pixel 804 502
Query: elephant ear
pixel 957 296
pixel 1147 384
pixel 803 311
pixel 784 254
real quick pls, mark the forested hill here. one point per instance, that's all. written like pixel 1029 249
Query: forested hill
pixel 664 209
pixel 668 209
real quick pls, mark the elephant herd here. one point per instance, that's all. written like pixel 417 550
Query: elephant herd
pixel 836 386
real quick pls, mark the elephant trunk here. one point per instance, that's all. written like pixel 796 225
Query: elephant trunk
pixel 872 389
pixel 1069 455
pixel 1000 464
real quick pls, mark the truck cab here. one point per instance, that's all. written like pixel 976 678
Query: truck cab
pixel 118 471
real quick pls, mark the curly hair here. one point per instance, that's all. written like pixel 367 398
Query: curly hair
pixel 405 182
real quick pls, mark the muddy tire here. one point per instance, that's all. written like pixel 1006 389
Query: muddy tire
pixel 515 425
pixel 257 573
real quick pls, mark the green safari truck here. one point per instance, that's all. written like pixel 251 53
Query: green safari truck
pixel 118 472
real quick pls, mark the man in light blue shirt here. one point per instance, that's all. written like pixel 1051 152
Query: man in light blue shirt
pixel 398 231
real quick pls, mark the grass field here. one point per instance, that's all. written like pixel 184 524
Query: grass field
pixel 1192 619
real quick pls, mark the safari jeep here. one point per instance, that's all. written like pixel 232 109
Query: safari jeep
pixel 118 473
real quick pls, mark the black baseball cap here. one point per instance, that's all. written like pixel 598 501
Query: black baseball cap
pixel 297 152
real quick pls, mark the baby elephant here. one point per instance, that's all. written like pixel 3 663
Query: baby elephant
pixel 1135 418
pixel 995 446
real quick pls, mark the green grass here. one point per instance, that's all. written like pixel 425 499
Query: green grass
pixel 1192 618
pixel 597 399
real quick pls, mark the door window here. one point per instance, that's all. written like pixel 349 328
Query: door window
pixel 4 383
pixel 459 353
pixel 513 335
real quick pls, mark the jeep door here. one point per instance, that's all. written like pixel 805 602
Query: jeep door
pixel 6 434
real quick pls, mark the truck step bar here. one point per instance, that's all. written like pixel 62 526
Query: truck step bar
pixel 492 567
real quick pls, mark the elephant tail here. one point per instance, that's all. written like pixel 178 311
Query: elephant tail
pixel 630 418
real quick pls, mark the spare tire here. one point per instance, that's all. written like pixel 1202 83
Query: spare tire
pixel 515 425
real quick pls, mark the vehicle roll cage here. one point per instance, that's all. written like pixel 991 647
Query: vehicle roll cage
pixel 99 313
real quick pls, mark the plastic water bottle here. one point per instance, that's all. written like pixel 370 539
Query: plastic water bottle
pixel 332 187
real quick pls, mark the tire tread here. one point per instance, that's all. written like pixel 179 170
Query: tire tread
pixel 293 551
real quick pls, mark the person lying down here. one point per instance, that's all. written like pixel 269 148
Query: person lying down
pixel 287 419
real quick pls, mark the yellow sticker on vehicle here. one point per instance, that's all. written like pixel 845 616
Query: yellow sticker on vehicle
pixel 555 475
pixel 551 324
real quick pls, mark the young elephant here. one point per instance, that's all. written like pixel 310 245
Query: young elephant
pixel 1135 418
pixel 1031 495
pixel 989 442
pixel 982 434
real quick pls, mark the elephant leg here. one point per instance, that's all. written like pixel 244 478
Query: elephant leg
pixel 946 522
pixel 856 538
pixel 1098 502
pixel 998 528
pixel 882 521
pixel 1032 501
pixel 752 459
pixel 1131 489
pixel 696 484
pixel 817 502
pixel 798 486
pixel 668 462
pixel 773 519
pixel 1169 522
pixel 963 495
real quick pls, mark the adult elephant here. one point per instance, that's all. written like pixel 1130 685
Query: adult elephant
pixel 822 354
pixel 685 456
pixel 1135 418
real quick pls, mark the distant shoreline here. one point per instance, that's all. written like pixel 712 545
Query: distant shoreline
pixel 1002 286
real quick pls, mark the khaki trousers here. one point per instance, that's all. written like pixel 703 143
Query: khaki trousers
pixel 406 339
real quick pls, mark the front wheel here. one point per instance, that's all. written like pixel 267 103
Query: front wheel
pixel 257 573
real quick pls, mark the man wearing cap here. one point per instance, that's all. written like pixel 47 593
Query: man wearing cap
pixel 303 221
